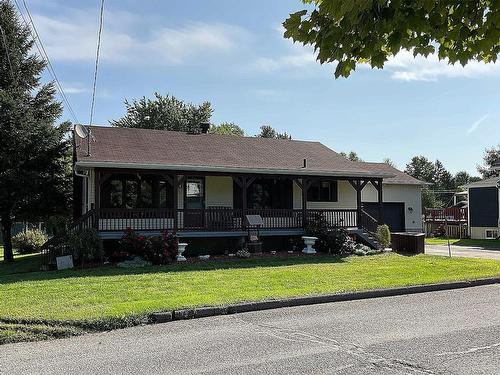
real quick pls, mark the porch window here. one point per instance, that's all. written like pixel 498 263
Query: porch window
pixel 323 191
pixel 133 191
pixel 265 193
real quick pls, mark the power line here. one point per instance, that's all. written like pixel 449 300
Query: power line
pixel 41 49
pixel 4 38
pixel 101 15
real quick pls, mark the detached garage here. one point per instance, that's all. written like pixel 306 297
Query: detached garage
pixel 484 209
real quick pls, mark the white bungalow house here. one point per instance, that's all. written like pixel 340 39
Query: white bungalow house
pixel 203 185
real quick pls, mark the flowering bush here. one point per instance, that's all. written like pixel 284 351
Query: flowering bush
pixel 162 249
pixel 29 241
pixel 156 249
pixel 132 244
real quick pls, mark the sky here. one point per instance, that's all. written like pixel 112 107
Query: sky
pixel 233 55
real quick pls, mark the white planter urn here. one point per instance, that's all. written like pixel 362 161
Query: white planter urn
pixel 309 242
pixel 181 248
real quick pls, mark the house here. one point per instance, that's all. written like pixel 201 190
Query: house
pixel 204 185
pixel 484 208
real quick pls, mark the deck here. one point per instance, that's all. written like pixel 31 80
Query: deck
pixel 213 222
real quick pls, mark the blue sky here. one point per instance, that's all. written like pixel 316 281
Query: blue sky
pixel 233 55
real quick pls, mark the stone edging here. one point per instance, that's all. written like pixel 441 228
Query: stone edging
pixel 202 312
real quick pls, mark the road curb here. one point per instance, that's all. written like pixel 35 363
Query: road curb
pixel 202 312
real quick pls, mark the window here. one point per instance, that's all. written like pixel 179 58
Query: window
pixel 491 234
pixel 323 191
pixel 132 191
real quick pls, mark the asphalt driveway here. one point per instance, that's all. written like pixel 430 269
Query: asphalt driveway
pixel 463 251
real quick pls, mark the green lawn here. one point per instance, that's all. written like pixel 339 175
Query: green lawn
pixel 463 242
pixel 22 263
pixel 108 293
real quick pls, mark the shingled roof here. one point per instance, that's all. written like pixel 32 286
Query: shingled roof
pixel 160 149
pixel 399 177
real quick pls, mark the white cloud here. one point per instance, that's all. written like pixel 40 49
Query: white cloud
pixel 476 124
pixel 129 39
pixel 405 67
pixel 74 88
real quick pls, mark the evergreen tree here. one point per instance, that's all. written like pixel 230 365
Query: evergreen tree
pixel 491 156
pixel 352 156
pixel 33 152
pixel 421 168
pixel 267 131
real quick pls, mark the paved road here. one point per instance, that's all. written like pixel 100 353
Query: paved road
pixel 451 332
pixel 463 251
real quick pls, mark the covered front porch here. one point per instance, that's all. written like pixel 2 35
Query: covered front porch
pixel 215 204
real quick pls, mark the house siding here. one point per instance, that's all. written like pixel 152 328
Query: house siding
pixel 219 191
pixel 479 233
pixel 484 208
pixel 410 195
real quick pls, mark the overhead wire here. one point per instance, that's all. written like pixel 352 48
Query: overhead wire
pixel 101 16
pixel 43 53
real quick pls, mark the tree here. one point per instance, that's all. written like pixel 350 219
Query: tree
pixel 352 156
pixel 267 131
pixel 421 168
pixel 463 178
pixel 164 113
pixel 389 162
pixel 370 31
pixel 490 157
pixel 227 128
pixel 33 152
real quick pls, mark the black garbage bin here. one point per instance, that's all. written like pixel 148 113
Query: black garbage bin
pixel 408 243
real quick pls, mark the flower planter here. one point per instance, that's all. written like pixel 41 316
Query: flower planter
pixel 181 249
pixel 309 242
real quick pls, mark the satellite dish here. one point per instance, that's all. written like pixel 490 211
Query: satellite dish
pixel 81 131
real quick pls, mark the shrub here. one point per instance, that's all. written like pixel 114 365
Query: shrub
pixel 132 244
pixel 85 246
pixel 29 241
pixel 384 235
pixel 331 238
pixel 161 249
pixel 156 249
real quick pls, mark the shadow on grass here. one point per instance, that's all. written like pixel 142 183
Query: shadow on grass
pixel 177 267
pixel 21 264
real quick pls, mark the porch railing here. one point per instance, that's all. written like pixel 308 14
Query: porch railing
pixel 445 214
pixel 368 222
pixel 216 219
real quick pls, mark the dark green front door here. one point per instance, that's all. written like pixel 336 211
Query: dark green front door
pixel 194 202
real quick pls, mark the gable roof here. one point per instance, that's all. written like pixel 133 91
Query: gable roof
pixel 489 182
pixel 399 177
pixel 160 149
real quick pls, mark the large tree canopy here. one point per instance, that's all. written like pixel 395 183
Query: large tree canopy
pixel 491 156
pixel 227 128
pixel 350 32
pixel 164 113
pixel 34 170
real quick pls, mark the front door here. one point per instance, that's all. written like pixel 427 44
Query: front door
pixel 194 202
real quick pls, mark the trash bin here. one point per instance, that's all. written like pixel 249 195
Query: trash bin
pixel 408 243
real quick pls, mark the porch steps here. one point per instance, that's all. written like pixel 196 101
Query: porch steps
pixel 366 238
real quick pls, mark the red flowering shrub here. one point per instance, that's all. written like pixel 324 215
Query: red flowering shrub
pixel 157 249
pixel 162 249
